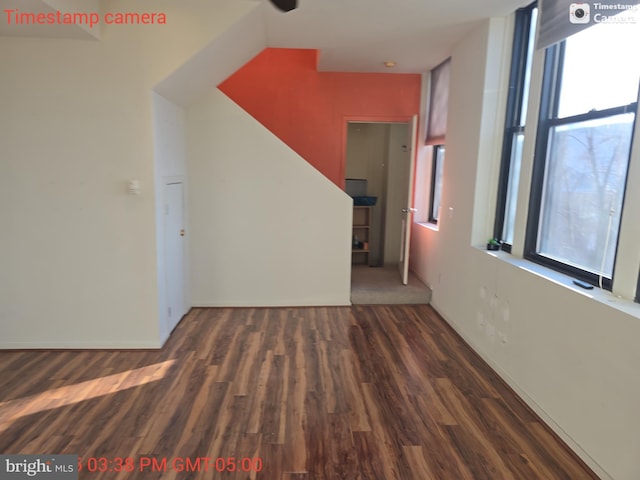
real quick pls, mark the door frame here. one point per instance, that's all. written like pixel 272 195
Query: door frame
pixel 363 119
pixel 409 209
pixel 166 181
pixel 404 119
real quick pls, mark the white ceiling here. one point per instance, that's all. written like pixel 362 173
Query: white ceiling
pixel 359 35
pixel 351 35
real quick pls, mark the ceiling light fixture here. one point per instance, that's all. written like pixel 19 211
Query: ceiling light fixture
pixel 390 64
pixel 285 5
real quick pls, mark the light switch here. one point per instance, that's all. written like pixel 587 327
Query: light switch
pixel 133 187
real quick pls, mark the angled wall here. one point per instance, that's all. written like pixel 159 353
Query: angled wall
pixel 267 229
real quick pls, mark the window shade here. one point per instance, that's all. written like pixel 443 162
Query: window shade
pixel 438 103
pixel 556 22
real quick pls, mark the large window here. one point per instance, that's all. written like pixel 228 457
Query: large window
pixel 587 114
pixel 519 81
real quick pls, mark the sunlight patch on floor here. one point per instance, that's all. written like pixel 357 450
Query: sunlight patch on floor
pixel 11 410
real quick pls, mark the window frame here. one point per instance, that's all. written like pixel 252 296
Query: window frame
pixel 547 120
pixel 434 216
pixel 514 124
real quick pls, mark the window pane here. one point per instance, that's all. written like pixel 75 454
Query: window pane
pixel 527 68
pixel 517 102
pixel 512 188
pixel 423 187
pixel 584 182
pixel 600 68
pixel 437 182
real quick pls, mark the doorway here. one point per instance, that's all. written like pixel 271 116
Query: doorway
pixel 378 153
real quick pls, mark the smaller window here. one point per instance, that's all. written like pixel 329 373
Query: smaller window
pixel 436 183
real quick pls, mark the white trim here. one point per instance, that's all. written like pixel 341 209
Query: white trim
pixel 78 345
pixel 428 225
pixel 601 296
pixel 275 304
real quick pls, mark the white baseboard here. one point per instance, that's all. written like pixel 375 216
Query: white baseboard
pixel 277 304
pixel 88 345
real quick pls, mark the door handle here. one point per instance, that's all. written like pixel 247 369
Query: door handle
pixel 407 210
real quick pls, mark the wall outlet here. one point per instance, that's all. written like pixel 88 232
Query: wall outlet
pixel 491 330
pixel 493 301
pixel 506 314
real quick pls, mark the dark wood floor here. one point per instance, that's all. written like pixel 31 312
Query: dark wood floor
pixel 368 392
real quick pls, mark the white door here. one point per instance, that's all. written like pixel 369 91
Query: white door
pixel 407 211
pixel 174 255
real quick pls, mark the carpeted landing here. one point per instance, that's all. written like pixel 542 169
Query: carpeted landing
pixel 383 286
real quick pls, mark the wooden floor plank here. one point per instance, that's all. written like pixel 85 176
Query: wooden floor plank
pixel 356 393
pixel 417 463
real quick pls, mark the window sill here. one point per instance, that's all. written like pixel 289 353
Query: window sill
pixel 428 225
pixel 604 297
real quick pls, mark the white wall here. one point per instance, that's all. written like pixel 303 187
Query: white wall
pixel 77 254
pixel 573 358
pixel 266 227
pixel 170 155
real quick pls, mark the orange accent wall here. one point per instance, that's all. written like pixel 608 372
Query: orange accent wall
pixel 308 110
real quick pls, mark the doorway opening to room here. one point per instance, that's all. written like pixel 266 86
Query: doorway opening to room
pixel 378 174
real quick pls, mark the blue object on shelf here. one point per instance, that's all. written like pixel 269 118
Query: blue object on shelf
pixel 364 201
